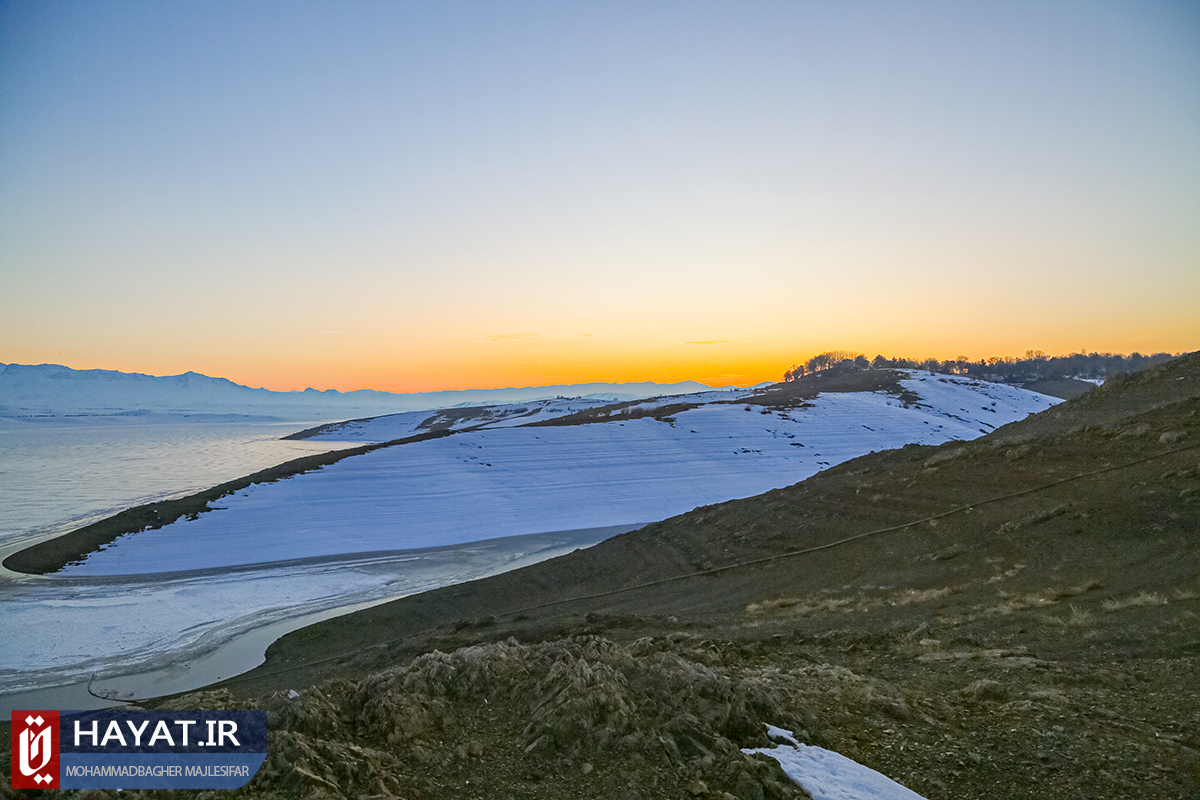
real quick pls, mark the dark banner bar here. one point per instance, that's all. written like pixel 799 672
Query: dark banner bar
pixel 126 749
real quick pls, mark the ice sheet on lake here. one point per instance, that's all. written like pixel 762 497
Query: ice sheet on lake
pixel 60 630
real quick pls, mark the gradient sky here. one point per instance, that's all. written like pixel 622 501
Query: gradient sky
pixel 414 196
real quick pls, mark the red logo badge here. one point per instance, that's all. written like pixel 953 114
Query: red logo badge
pixel 35 750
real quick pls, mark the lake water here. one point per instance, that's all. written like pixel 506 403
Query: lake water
pixel 59 473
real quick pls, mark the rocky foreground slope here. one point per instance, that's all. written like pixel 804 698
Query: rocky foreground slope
pixel 1013 617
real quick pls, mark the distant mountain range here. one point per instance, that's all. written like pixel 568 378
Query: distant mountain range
pixel 54 390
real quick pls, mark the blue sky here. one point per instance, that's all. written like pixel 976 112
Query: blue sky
pixel 421 195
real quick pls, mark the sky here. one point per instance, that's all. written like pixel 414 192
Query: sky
pixel 413 196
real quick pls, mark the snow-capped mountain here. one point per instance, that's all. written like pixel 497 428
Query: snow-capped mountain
pixel 50 389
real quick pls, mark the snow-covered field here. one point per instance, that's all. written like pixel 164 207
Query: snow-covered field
pixel 507 481
pixel 496 477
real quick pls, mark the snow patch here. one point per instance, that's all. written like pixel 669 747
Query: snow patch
pixel 827 775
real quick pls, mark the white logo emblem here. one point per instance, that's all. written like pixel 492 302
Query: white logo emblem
pixel 35 748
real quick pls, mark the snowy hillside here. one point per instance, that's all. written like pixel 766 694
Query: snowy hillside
pixel 503 478
pixel 56 390
pixel 506 471
pixel 396 426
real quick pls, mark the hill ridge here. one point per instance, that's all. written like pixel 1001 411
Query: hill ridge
pixel 1024 631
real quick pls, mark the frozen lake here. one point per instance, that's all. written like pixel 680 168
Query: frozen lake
pixel 149 635
pixel 154 634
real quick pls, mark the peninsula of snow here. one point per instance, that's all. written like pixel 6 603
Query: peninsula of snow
pixel 502 474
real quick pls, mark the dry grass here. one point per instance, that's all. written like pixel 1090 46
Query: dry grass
pixel 1078 618
pixel 1135 601
pixel 1024 600
pixel 916 596
pixel 826 603
pixel 813 605
pixel 1044 597
pixel 1009 573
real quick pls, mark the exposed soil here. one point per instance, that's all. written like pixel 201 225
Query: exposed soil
pixel 625 410
pixel 445 419
pixel 794 394
pixel 328 427
pixel 1066 388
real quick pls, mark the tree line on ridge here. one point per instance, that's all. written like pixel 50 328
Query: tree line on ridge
pixel 1035 366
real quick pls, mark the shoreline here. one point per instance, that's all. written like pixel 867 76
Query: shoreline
pixel 204 662
pixel 51 555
